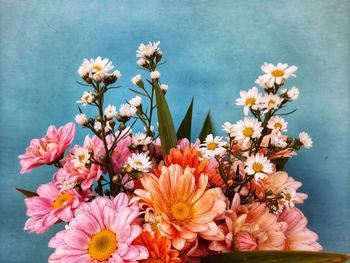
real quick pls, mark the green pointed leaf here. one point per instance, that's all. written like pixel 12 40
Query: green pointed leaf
pixel 277 257
pixel 167 130
pixel 184 130
pixel 206 128
pixel 26 192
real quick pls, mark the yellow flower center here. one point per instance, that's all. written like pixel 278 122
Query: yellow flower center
pixel 82 158
pixel 248 131
pixel 277 73
pixel 271 102
pixel 278 125
pixel 102 245
pixel 180 212
pixel 96 68
pixel 257 167
pixel 61 200
pixel 212 146
pixel 138 163
pixel 288 196
pixel 250 101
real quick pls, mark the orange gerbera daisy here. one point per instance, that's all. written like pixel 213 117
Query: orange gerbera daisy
pixel 185 208
pixel 159 248
pixel 190 157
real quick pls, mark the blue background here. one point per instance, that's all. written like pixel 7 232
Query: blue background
pixel 213 49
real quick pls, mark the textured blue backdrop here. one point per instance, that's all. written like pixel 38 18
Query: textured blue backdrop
pixel 214 49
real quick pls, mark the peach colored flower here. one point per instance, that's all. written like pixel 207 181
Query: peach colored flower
pixel 185 208
pixel 47 149
pixel 248 228
pixel 159 248
pixel 298 236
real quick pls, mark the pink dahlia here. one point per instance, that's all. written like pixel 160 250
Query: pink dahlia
pixel 102 231
pixel 298 236
pixel 51 206
pixel 47 149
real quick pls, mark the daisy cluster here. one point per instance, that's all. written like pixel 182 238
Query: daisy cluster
pixel 123 199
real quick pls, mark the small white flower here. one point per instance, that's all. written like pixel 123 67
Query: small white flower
pixel 98 65
pixel 246 129
pixel 140 162
pixel 110 111
pixel 87 98
pixel 155 74
pixel 249 99
pixel 98 126
pixel 146 51
pixel 141 62
pixel 229 128
pixel 277 139
pixel 136 101
pixel 271 101
pixel 275 74
pixel 127 110
pixel 293 93
pixel 212 146
pixel 277 123
pixel 305 139
pixel 164 87
pixel 141 139
pixel 81 119
pixel 289 196
pixel 151 128
pixel 261 82
pixel 117 74
pixel 258 165
pixel 136 79
pixel 81 156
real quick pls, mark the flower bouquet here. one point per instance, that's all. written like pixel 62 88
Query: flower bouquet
pixel 155 196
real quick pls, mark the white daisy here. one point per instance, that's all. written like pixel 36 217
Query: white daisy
pixel 141 62
pixel 164 87
pixel 258 165
pixel 81 156
pixel 213 146
pixel 110 111
pixel 277 139
pixel 141 139
pixel 276 74
pixel 305 139
pixel 261 82
pixel 97 66
pixel 81 119
pixel 86 98
pixel 136 101
pixel 229 128
pixel 155 74
pixel 117 74
pixel 293 93
pixel 249 99
pixel 289 197
pixel 98 126
pixel 270 101
pixel 139 162
pixel 127 110
pixel 136 79
pixel 146 51
pixel 277 123
pixel 246 129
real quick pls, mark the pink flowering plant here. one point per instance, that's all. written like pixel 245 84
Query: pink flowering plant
pixel 155 196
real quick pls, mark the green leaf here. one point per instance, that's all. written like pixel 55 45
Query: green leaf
pixel 184 130
pixel 167 130
pixel 206 128
pixel 276 257
pixel 26 192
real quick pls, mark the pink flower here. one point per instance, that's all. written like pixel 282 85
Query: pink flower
pixel 298 236
pixel 102 231
pixel 47 149
pixel 51 206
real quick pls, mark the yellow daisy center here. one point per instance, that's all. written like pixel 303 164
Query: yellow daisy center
pixel 212 146
pixel 248 131
pixel 277 73
pixel 278 125
pixel 96 68
pixel 61 200
pixel 288 196
pixel 272 102
pixel 138 163
pixel 102 245
pixel 82 158
pixel 180 212
pixel 257 167
pixel 250 101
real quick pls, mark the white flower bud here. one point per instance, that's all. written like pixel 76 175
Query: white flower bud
pixel 155 74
